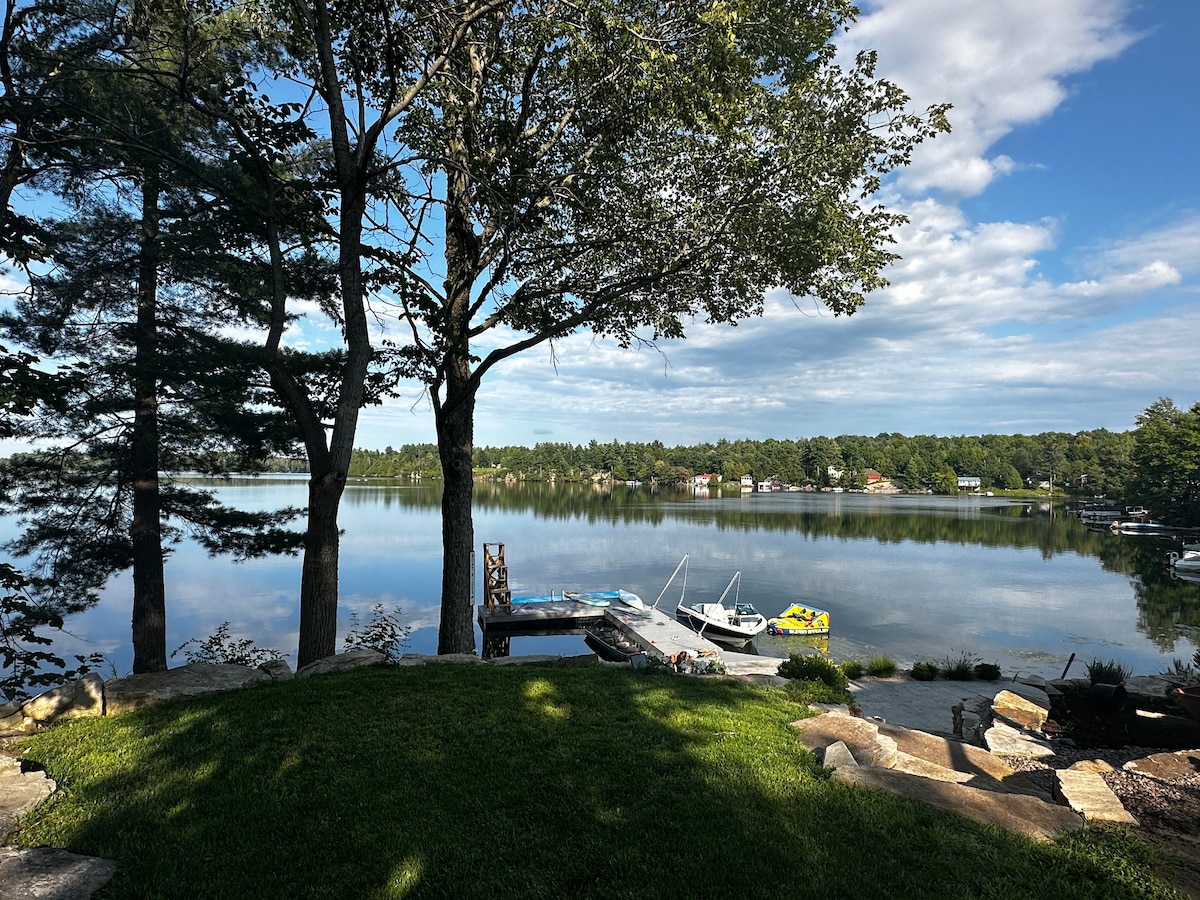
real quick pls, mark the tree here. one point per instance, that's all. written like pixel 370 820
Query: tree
pixel 623 167
pixel 116 99
pixel 1166 461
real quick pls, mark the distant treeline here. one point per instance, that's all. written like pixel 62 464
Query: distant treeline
pixel 1090 462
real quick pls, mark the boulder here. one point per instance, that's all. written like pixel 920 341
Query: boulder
pixel 74 700
pixel 421 659
pixel 278 669
pixel 1019 711
pixel 194 679
pixel 1037 695
pixel 341 662
pixel 45 872
pixel 1008 741
pixel 21 789
pixel 837 755
pixel 861 737
pixel 1018 813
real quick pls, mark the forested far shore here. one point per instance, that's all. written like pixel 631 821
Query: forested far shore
pixel 1094 462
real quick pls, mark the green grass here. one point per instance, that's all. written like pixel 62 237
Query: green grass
pixel 475 781
pixel 881 666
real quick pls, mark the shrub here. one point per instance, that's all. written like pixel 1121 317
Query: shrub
pixel 925 670
pixel 853 668
pixel 961 667
pixel 813 668
pixel 1183 673
pixel 1108 671
pixel 881 666
pixel 987 671
pixel 219 648
pixel 383 632
pixel 808 692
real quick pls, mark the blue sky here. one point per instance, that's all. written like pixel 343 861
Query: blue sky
pixel 1049 275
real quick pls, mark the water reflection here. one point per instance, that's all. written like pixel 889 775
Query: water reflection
pixel 1022 584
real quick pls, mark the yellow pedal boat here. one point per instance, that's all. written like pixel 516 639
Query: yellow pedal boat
pixel 799 619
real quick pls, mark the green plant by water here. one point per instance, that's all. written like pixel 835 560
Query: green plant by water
pixel 221 649
pixel 383 632
pixel 1108 671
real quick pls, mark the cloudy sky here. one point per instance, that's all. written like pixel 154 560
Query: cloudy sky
pixel 1049 274
pixel 1050 265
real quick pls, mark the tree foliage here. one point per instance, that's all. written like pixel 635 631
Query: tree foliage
pixel 1166 460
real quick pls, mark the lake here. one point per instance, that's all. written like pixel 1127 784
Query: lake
pixel 1022 584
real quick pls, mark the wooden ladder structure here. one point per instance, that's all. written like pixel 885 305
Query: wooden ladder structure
pixel 496 593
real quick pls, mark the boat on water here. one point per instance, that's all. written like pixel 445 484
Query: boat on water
pixel 1188 561
pixel 610 642
pixel 735 624
pixel 1139 526
pixel 799 619
pixel 1107 513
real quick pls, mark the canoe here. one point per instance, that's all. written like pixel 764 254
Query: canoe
pixel 799 619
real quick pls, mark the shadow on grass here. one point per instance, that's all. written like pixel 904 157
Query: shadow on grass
pixel 470 781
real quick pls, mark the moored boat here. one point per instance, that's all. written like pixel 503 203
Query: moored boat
pixel 735 624
pixel 610 642
pixel 1188 561
pixel 799 619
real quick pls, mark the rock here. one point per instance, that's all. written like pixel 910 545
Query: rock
pixel 44 873
pixel 194 679
pixel 278 669
pixel 1037 681
pixel 1018 813
pixel 342 662
pixel 16 723
pixel 1167 766
pixel 1150 686
pixel 74 700
pixel 421 659
pixel 1088 794
pixel 530 660
pixel 1006 740
pixel 837 755
pixel 861 737
pixel 20 791
pixel 1097 766
pixel 1030 694
pixel 946 753
pixel 1020 712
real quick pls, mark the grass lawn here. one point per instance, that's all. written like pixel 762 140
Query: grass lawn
pixel 479 781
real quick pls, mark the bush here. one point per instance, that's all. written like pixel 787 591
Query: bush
pixel 987 671
pixel 220 649
pixel 383 633
pixel 809 692
pixel 853 668
pixel 881 666
pixel 1108 671
pixel 925 670
pixel 961 667
pixel 814 668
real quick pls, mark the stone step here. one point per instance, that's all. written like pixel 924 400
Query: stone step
pixel 1089 795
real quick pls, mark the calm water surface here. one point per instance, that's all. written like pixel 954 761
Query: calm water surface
pixel 914 577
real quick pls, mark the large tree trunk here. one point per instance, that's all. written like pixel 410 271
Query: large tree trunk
pixel 149 589
pixel 455 433
pixel 319 574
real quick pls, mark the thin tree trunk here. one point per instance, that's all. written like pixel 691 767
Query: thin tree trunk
pixel 149 589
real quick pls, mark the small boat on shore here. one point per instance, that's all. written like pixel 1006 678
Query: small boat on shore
pixel 799 619
pixel 610 643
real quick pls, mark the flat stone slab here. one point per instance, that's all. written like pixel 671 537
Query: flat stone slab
pixel 1167 766
pixel 1008 741
pixel 1018 813
pixel 44 873
pixel 861 737
pixel 193 680
pixel 19 792
pixel 342 662
pixel 1088 794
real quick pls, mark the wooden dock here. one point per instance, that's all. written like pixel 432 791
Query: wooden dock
pixel 655 631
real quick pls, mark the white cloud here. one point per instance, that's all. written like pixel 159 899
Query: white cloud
pixel 1001 63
